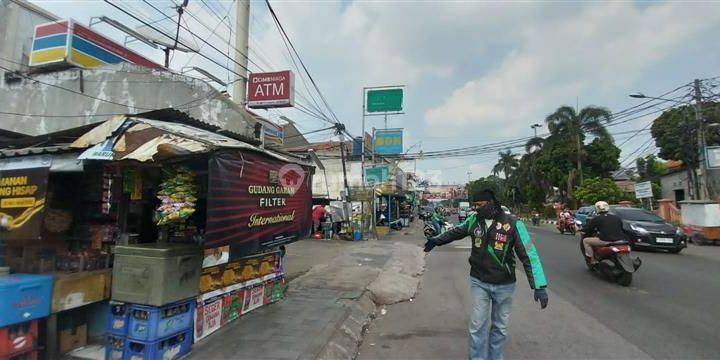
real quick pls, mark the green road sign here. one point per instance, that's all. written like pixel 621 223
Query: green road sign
pixel 384 100
pixel 376 175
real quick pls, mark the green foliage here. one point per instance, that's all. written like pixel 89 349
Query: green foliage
pixel 675 132
pixel 506 164
pixel 492 182
pixel 596 189
pixel 602 158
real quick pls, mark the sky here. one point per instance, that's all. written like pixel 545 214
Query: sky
pixel 474 72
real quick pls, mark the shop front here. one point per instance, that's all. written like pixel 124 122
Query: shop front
pixel 181 228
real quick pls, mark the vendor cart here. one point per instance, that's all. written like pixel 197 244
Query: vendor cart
pixel 701 221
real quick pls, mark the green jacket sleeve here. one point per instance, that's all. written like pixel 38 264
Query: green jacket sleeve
pixel 456 233
pixel 528 255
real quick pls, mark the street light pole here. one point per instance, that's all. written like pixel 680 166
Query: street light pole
pixel 535 127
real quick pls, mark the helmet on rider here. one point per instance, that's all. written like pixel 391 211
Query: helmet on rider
pixel 602 207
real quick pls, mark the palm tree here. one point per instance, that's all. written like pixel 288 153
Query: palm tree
pixel 506 164
pixel 566 121
pixel 534 144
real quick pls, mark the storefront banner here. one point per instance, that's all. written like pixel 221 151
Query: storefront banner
pixel 256 202
pixel 254 298
pixel 23 186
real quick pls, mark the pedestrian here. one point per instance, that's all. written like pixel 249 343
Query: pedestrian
pixel 318 213
pixel 496 238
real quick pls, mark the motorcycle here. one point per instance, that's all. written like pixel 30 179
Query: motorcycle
pixel 429 229
pixel 536 220
pixel 568 225
pixel 613 261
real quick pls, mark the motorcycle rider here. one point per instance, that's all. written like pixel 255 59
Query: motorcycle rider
pixel 602 229
pixel 438 219
pixel 496 237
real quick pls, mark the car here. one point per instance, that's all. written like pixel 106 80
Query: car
pixel 647 230
pixel 463 210
pixel 505 209
pixel 582 214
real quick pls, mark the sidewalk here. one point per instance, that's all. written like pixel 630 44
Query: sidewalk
pixel 327 305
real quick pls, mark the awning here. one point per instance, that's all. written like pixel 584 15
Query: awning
pixel 133 138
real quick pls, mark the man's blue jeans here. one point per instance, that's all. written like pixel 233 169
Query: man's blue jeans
pixel 437 226
pixel 489 319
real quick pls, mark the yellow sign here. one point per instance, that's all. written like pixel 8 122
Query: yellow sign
pixel 17 203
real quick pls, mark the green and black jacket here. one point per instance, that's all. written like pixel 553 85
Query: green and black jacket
pixel 492 257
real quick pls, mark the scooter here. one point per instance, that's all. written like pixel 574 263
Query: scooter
pixel 536 219
pixel 567 226
pixel 613 261
pixel 429 229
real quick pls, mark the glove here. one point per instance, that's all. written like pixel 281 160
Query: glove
pixel 542 296
pixel 429 245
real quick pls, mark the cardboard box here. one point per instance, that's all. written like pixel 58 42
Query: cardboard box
pixel 72 338
pixel 72 290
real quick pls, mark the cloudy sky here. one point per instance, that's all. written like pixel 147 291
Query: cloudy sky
pixel 475 72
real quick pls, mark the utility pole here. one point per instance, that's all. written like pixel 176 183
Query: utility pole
pixel 242 34
pixel 535 127
pixel 704 186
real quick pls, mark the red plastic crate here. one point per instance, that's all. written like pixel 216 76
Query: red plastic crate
pixel 17 338
pixel 30 355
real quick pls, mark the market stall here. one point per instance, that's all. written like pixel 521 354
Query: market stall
pixel 188 216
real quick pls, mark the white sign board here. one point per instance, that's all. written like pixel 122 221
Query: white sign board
pixel 713 156
pixel 643 190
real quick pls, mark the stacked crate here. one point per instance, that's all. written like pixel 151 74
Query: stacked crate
pixel 149 332
pixel 24 299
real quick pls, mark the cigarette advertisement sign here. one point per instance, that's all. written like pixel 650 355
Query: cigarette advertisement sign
pixel 389 141
pixel 256 202
pixel 23 184
pixel 270 90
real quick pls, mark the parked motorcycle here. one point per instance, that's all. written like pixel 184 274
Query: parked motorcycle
pixel 613 261
pixel 567 225
pixel 429 229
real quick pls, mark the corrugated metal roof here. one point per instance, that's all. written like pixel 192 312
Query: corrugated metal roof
pixel 35 150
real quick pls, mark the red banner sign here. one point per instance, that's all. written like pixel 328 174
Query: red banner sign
pixel 268 90
pixel 256 202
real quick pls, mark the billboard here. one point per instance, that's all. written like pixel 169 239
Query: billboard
pixel 270 90
pixel 384 100
pixel 389 142
pixel 445 192
pixel 377 175
pixel 256 202
pixel 68 42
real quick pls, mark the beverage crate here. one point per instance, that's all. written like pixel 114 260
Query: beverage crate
pixel 169 348
pixel 118 318
pixel 17 338
pixel 150 323
pixel 114 347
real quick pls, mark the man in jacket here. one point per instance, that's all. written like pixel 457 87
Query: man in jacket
pixel 438 219
pixel 496 239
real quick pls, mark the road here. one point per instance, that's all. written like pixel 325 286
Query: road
pixel 670 312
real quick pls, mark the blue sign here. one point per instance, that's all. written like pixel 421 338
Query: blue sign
pixel 389 141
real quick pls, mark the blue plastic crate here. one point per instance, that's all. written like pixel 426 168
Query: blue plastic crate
pixel 118 318
pixel 150 323
pixel 168 348
pixel 114 347
pixel 24 297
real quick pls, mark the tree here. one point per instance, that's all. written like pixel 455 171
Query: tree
pixel 602 158
pixel 596 189
pixel 534 144
pixel 494 183
pixel 650 168
pixel 506 163
pixel 565 121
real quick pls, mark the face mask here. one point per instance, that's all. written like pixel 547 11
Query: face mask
pixel 486 211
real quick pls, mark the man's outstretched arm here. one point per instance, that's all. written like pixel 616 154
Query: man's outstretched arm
pixel 528 255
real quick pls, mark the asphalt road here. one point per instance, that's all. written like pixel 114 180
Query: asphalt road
pixel 671 311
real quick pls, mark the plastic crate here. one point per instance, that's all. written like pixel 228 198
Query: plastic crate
pixel 169 348
pixel 24 297
pixel 118 318
pixel 18 338
pixel 29 355
pixel 150 323
pixel 114 347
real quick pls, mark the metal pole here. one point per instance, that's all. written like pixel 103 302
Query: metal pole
pixel 242 34
pixel 362 168
pixel 385 121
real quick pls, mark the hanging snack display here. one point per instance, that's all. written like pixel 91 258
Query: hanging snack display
pixel 178 195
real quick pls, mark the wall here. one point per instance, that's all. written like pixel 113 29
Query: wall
pixel 672 182
pixel 73 97
pixel 17 25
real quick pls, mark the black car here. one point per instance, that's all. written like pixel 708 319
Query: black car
pixel 647 230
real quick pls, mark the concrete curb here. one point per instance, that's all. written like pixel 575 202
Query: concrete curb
pixel 349 332
pixel 551 222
